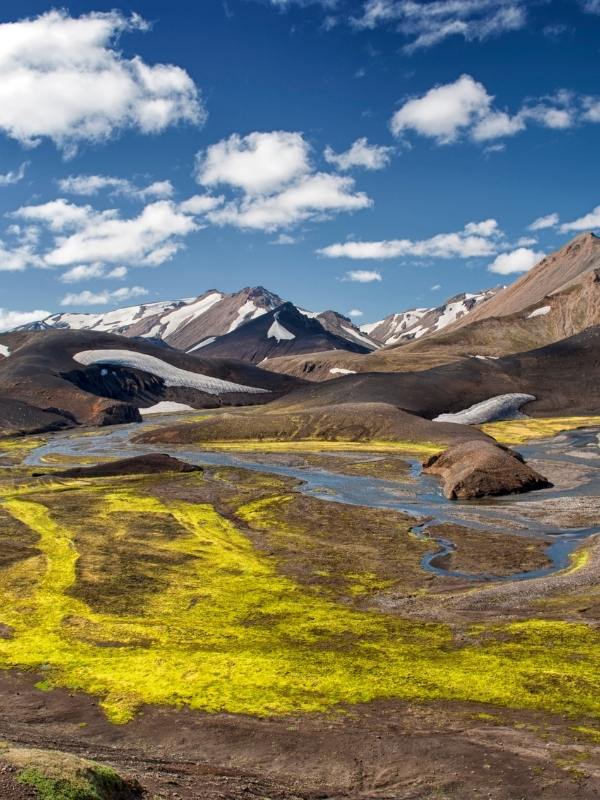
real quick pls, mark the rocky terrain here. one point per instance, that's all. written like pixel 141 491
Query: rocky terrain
pixel 57 379
pixel 483 469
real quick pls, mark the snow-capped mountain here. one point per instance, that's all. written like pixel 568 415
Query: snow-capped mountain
pixel 193 323
pixel 281 332
pixel 419 322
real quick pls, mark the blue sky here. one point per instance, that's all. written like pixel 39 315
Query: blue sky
pixel 366 155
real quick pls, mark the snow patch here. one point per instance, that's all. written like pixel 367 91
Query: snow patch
pixel 504 406
pixel 181 316
pixel 166 407
pixel 4 350
pixel 277 331
pixel 203 343
pixel 340 371
pixel 246 312
pixel 355 335
pixel 540 312
pixel 172 376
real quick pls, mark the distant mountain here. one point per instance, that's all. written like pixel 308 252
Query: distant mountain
pixel 193 323
pixel 558 273
pixel 558 298
pixel 281 332
pixel 417 323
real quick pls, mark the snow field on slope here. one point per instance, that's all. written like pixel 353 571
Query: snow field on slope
pixel 172 376
pixel 503 406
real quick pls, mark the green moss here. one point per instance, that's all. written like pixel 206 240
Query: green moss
pixel 225 631
pixel 97 783
pixel 522 430
pixel 323 445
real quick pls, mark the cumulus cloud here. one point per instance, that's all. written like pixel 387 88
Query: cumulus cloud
pixel 585 223
pixel 14 176
pixel 257 163
pixel 149 239
pixel 13 319
pixel 88 185
pixel 465 109
pixel 542 223
pixel 477 239
pixel 312 197
pixel 272 183
pixel 88 298
pixel 591 6
pixel 521 260
pixel 428 24
pixel 362 276
pixel 81 236
pixel 84 272
pixel 60 215
pixel 62 78
pixel 360 154
pixel 355 313
pixel 18 258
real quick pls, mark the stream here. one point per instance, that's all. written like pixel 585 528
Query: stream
pixel 420 497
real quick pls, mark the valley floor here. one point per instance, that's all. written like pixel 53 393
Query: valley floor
pixel 234 633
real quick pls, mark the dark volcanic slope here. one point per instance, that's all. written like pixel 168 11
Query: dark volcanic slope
pixel 565 377
pixel 284 331
pixel 42 374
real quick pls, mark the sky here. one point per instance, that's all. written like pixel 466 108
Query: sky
pixel 364 155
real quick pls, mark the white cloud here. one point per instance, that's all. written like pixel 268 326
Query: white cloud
pixel 87 298
pixel 14 176
pixel 428 24
pixel 444 111
pixel 88 185
pixel 272 183
pixel 257 163
pixel 521 260
pixel 81 236
pixel 486 228
pixel 284 238
pixel 541 223
pixel 88 271
pixel 62 78
pixel 200 204
pixel 13 319
pixel 149 239
pixel 16 259
pixel 60 215
pixel 585 223
pixel 362 276
pixel 526 241
pixel 464 109
pixel 591 109
pixel 311 197
pixel 436 287
pixel 591 6
pixel 360 154
pixel 475 240
pixel 354 313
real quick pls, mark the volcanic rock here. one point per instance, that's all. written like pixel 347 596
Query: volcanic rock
pixel 483 469
pixel 150 464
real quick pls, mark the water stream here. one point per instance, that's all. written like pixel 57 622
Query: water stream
pixel 420 497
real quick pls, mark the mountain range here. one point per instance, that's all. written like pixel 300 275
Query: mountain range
pixel 251 348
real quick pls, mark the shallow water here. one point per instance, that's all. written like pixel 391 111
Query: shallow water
pixel 421 498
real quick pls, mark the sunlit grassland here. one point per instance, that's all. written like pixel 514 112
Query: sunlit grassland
pixel 519 431
pixel 140 599
pixel 323 446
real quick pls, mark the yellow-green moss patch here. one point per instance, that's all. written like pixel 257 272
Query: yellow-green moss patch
pixel 519 431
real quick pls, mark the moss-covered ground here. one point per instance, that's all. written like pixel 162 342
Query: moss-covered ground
pixel 518 431
pixel 226 592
